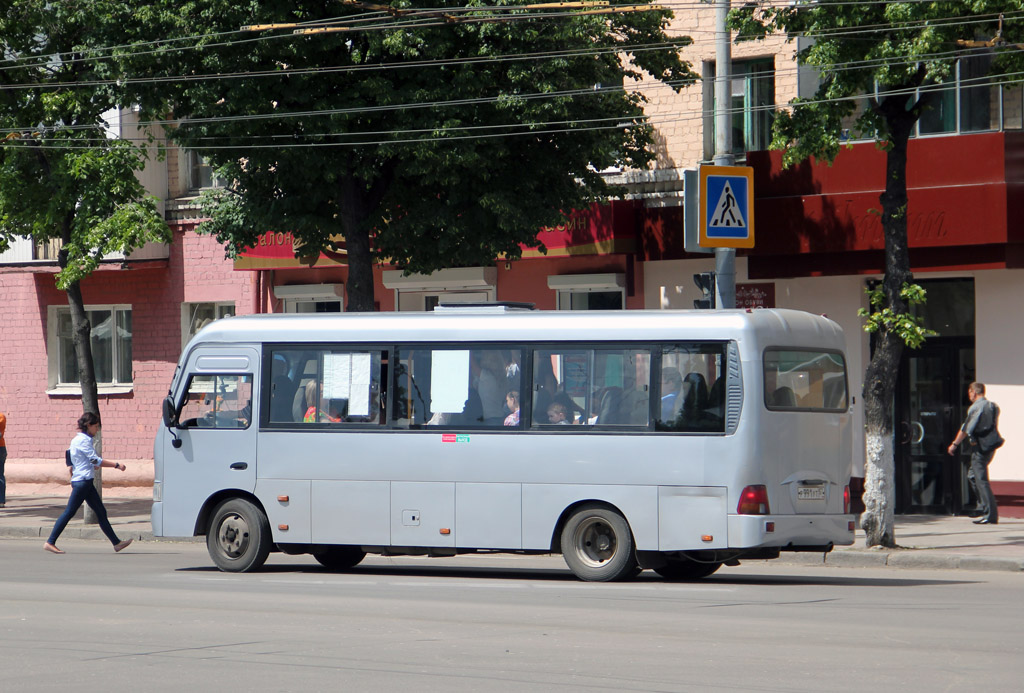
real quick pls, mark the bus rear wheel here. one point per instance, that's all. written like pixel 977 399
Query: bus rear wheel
pixel 597 545
pixel 340 557
pixel 238 538
pixel 686 569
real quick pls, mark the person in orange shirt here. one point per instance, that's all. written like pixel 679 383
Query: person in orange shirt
pixel 3 459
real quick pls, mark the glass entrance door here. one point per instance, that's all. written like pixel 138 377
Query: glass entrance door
pixel 931 401
pixel 930 408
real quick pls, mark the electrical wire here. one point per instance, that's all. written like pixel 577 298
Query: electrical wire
pixel 645 120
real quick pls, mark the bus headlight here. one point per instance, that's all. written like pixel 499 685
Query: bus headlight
pixel 158 491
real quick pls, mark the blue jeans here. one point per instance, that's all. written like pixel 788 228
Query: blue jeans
pixel 83 492
pixel 3 479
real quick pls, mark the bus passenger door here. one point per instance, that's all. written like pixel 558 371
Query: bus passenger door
pixel 217 432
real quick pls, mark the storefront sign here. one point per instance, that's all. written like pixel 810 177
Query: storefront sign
pixel 276 250
pixel 755 295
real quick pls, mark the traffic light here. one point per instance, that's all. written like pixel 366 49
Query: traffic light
pixel 705 281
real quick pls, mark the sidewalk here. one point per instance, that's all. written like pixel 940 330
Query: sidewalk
pixel 926 541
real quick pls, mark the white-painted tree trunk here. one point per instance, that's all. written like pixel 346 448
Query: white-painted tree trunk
pixel 879 518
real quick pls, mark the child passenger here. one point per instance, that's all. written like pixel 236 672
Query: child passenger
pixel 512 401
pixel 558 414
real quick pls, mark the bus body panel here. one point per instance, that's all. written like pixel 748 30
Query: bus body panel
pixel 423 513
pixel 692 516
pixel 489 514
pixel 286 503
pixel 351 512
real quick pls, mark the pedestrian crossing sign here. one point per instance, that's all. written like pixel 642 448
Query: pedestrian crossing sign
pixel 726 207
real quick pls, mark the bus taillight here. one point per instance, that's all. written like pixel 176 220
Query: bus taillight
pixel 753 501
pixel 846 500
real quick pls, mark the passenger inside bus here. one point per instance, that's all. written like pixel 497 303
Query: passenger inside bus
pixel 558 414
pixel 671 384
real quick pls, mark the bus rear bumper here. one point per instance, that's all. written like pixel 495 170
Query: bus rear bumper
pixel 791 532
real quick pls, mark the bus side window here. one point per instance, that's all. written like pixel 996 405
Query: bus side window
pixel 326 386
pixel 692 393
pixel 456 388
pixel 592 387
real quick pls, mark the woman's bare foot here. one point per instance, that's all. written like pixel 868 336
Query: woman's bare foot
pixel 51 548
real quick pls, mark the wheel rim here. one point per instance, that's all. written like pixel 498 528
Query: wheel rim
pixel 233 535
pixel 595 542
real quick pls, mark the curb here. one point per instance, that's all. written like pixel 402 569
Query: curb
pixel 90 533
pixel 917 559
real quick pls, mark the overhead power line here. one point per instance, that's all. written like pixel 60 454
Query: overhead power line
pixel 402 136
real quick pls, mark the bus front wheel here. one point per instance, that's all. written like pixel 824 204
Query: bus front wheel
pixel 597 545
pixel 238 538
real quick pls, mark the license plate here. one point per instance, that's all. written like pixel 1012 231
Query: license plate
pixel 811 493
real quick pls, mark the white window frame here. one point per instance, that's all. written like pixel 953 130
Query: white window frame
pixel 747 76
pixel 418 292
pixel 220 308
pixel 565 285
pixel 295 294
pixel 54 356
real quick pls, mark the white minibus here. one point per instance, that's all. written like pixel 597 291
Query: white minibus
pixel 678 441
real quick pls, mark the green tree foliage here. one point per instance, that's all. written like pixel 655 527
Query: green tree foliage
pixel 430 140
pixel 61 176
pixel 881 65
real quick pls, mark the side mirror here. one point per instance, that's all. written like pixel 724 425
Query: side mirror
pixel 170 415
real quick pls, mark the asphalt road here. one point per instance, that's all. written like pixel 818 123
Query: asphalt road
pixel 158 617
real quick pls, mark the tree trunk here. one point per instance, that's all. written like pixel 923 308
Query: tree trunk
pixel 878 520
pixel 354 205
pixel 81 332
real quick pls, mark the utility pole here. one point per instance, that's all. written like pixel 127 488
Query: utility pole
pixel 725 258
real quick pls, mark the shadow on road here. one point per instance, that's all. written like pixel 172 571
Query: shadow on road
pixel 722 578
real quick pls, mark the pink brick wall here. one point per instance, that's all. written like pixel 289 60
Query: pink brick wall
pixel 39 425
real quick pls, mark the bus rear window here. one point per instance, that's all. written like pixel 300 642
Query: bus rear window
pixel 804 380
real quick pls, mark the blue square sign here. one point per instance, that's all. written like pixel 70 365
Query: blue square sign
pixel 726 207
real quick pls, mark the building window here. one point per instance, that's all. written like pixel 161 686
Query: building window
pixel 200 174
pixel 752 106
pixel 589 291
pixel 419 292
pixel 966 103
pixel 311 298
pixel 111 339
pixel 46 249
pixel 196 316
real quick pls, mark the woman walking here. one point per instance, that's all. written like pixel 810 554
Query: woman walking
pixel 84 461
pixel 3 458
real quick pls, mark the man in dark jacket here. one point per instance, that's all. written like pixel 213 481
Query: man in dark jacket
pixel 981 423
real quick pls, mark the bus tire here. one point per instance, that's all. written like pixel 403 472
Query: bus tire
pixel 686 569
pixel 238 538
pixel 340 557
pixel 597 545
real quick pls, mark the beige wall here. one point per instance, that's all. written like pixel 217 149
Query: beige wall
pixel 999 337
